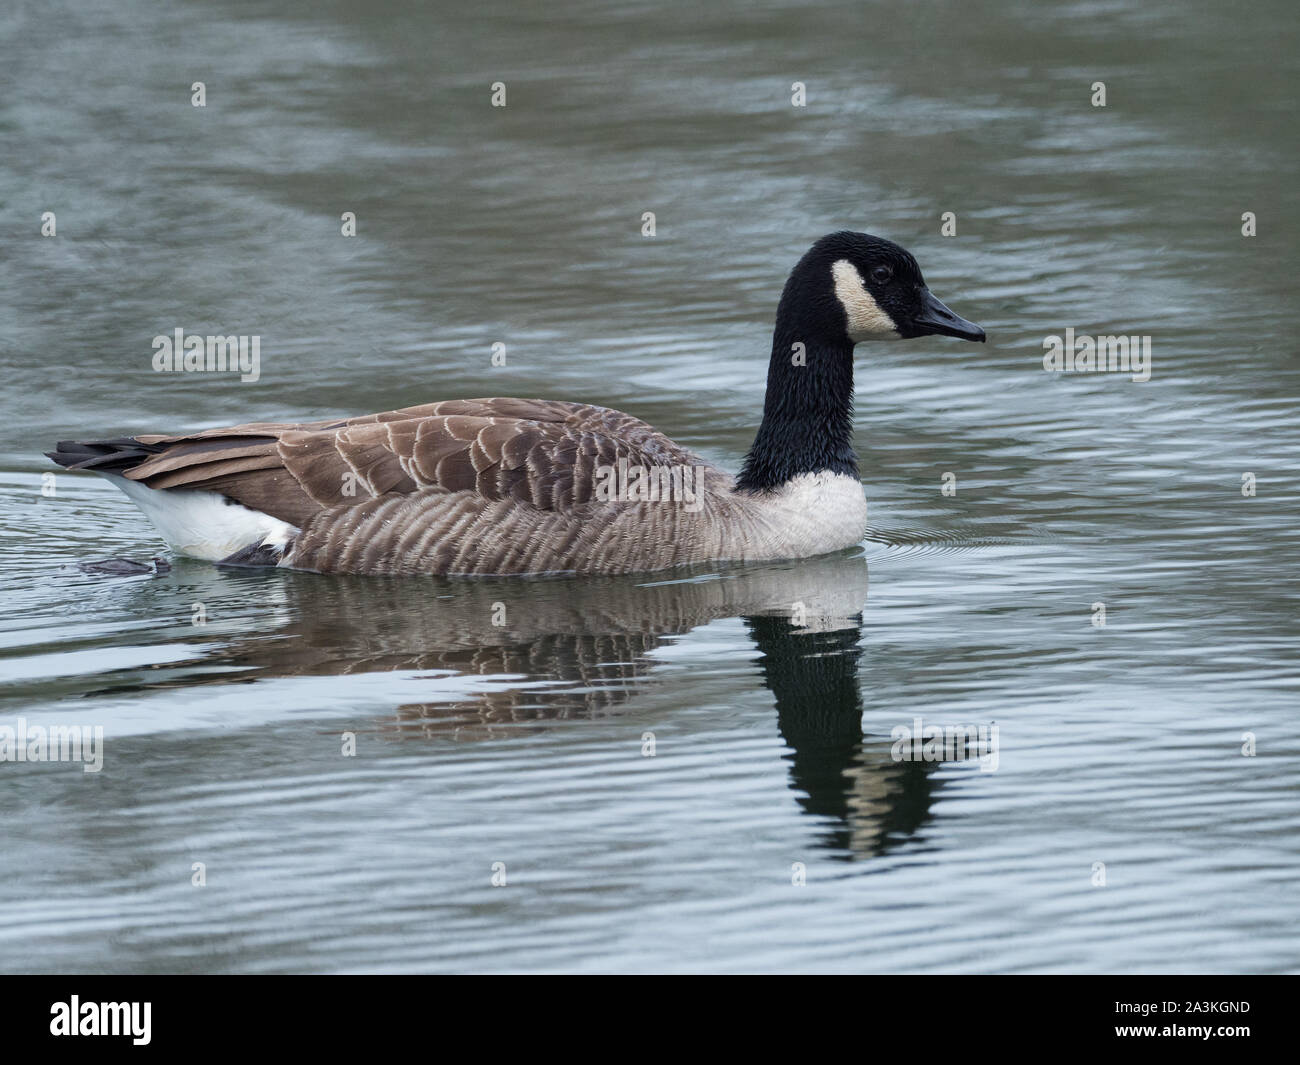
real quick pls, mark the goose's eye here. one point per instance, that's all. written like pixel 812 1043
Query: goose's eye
pixel 882 275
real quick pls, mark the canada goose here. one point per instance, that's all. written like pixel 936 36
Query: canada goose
pixel 512 486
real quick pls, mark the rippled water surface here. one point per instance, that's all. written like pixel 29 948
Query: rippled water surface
pixel 681 772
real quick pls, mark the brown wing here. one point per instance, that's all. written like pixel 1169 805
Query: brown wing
pixel 541 452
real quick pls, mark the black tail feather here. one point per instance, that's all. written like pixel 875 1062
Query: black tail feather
pixel 102 456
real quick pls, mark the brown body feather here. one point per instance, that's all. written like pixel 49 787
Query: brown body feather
pixel 479 486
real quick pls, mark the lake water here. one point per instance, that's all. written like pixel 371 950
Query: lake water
pixel 679 772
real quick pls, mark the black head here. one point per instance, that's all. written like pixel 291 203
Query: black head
pixel 849 287
pixel 869 288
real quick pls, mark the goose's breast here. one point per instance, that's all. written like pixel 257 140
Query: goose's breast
pixel 812 514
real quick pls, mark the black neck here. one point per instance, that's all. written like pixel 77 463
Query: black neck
pixel 807 412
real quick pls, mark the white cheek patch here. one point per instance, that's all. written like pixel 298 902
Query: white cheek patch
pixel 867 321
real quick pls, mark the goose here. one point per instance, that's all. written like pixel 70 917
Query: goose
pixel 536 486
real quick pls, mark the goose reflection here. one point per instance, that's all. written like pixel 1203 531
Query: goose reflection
pixel 555 649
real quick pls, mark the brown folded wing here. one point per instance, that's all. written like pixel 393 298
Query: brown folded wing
pixel 536 452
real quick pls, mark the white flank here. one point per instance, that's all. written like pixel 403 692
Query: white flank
pixel 203 524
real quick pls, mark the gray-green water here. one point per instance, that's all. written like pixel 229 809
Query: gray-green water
pixel 525 744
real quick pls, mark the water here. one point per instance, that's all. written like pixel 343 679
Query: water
pixel 527 743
